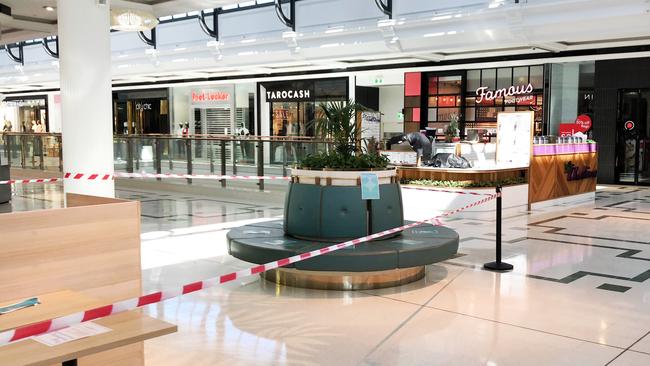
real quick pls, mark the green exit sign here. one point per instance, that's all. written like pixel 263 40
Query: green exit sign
pixel 378 80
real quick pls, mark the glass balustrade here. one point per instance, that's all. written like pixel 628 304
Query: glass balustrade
pixel 216 155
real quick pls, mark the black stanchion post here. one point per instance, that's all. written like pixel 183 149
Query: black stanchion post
pixel 498 265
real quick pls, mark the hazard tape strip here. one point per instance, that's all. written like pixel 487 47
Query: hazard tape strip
pixel 199 176
pixel 51 325
pixel 26 181
pixel 85 176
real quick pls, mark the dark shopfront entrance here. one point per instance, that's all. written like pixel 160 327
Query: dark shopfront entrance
pixel 620 90
pixel 633 138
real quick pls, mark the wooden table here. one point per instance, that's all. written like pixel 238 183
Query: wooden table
pixel 126 328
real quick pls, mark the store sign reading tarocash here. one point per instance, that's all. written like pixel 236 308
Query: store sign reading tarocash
pixel 288 95
pixel 484 94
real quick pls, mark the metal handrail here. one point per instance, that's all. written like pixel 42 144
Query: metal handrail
pixel 192 136
pixel 162 153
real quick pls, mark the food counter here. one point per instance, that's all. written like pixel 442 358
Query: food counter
pixel 560 170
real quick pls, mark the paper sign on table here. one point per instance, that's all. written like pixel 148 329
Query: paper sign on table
pixel 72 333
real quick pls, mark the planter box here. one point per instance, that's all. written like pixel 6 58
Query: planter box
pixel 327 205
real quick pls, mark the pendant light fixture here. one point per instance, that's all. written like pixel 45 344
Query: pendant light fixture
pixel 129 20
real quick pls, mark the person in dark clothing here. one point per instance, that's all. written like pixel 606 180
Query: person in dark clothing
pixel 420 143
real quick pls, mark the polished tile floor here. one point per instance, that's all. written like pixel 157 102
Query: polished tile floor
pixel 579 293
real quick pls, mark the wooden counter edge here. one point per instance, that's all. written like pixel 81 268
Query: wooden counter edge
pixel 146 327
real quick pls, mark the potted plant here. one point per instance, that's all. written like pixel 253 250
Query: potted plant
pixel 324 199
pixel 337 122
pixel 452 134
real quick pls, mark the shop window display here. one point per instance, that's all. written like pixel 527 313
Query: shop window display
pixel 24 114
pixel 444 101
pixel 502 90
pixel 293 107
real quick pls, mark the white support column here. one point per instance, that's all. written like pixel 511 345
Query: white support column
pixel 86 101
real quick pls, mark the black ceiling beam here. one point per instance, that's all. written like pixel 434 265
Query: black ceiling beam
pixel 149 41
pixel 4 9
pixel 20 58
pixel 289 21
pixel 48 50
pixel 386 8
pixel 214 32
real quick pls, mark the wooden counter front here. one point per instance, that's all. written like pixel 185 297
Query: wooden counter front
pixel 461 175
pixel 92 247
pixel 565 171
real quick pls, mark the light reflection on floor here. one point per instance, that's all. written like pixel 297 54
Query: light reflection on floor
pixel 579 293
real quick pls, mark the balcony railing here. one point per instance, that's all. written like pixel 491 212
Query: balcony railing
pixel 195 154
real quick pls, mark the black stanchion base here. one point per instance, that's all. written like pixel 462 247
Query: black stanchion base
pixel 498 266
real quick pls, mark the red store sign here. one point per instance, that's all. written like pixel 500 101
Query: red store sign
pixel 584 121
pixel 202 96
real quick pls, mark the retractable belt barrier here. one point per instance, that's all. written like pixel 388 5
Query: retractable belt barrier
pixel 152 298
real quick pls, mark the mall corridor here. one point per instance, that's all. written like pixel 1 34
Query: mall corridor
pixel 325 182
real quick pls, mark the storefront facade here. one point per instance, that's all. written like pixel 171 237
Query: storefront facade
pixel 25 114
pixel 141 112
pixel 292 105
pixel 621 120
pixel 213 109
pixel 472 97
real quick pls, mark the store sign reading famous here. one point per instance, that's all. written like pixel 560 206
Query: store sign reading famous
pixel 484 94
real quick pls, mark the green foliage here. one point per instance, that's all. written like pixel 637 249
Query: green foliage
pixel 339 161
pixel 464 184
pixel 452 129
pixel 338 122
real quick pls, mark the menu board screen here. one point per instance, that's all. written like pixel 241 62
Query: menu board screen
pixel 514 138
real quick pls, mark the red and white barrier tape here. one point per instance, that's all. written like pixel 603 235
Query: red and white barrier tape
pixel 85 176
pixel 25 181
pixel 130 304
pixel 198 176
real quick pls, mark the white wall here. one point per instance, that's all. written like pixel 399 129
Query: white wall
pixel 391 103
pixel 180 108
pixel 54 112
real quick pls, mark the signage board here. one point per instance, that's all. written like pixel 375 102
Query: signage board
pixel 583 121
pixel 371 125
pixel 569 129
pixel 218 96
pixel 302 91
pixel 369 186
pixel 483 93
pixel 514 138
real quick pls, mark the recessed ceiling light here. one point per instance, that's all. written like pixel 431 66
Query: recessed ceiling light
pixel 49 8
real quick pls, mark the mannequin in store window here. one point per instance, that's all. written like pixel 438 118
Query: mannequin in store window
pixel 7 125
pixel 186 130
pixel 39 127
